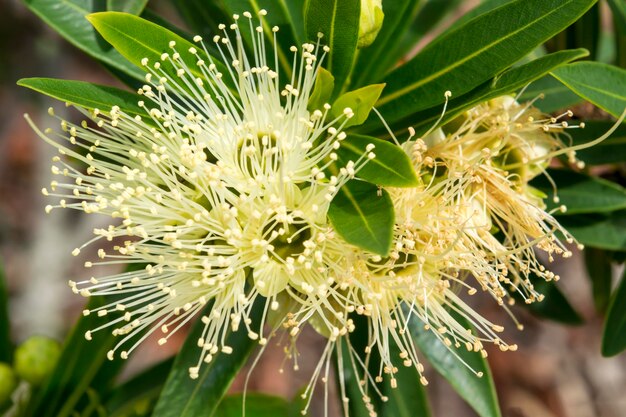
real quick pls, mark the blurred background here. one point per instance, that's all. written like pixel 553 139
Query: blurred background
pixel 557 371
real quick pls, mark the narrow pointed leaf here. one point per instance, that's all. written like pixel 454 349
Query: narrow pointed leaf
pixel 601 84
pixel 185 397
pixel 68 18
pixel 555 96
pixel 363 215
pixel 360 101
pixel 87 95
pixel 466 57
pixel 391 166
pixel 609 151
pixel 581 193
pixel 322 91
pixel 338 21
pixel 598 263
pixel 478 392
pixel 127 6
pixel 598 230
pixel 614 337
pixel 6 347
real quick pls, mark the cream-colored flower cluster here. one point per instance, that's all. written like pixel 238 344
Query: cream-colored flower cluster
pixel 218 198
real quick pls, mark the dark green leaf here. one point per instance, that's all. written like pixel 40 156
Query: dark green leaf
pixel 555 305
pixel 67 17
pixel 603 85
pixel 87 95
pixel 351 377
pixel 600 273
pixel 6 347
pixel 137 395
pixel 136 38
pixel 186 397
pixel 466 57
pixel 508 82
pixel 360 101
pixel 605 231
pixel 338 21
pixel 363 215
pixel 609 151
pixel 81 369
pixel 614 337
pixel 556 96
pixel 322 91
pixel 478 392
pixel 391 167
pixel 257 405
pixel 581 193
pixel 202 16
pixel 127 6
pixel 484 7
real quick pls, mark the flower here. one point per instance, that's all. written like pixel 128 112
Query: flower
pixel 217 195
pixel 370 21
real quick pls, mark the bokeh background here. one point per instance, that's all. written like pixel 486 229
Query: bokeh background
pixel 557 371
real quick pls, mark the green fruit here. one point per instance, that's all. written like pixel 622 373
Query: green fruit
pixel 36 358
pixel 8 382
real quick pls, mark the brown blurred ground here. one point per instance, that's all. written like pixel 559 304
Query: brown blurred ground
pixel 557 371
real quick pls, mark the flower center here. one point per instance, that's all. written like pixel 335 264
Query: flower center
pixel 288 238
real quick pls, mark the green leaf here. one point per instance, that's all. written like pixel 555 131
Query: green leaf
pixel 614 337
pixel 361 102
pixel 186 397
pixel 136 38
pixel 87 95
pixel 363 215
pixel 466 57
pixel 598 263
pixel 555 305
pixel 68 18
pixel 609 151
pixel 137 395
pixel 391 167
pixel 202 16
pixel 604 231
pixel 77 371
pixel 506 83
pixel 603 85
pixel 556 96
pixel 478 392
pixel 127 6
pixel 581 193
pixel 322 91
pixel 257 405
pixel 482 8
pixel 6 347
pixel 338 21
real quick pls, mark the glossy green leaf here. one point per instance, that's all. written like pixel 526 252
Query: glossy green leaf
pixel 87 95
pixel 136 38
pixel 351 375
pixel 609 151
pixel 581 193
pixel 82 368
pixel 605 231
pixel 603 85
pixel 479 392
pixel 137 395
pixel 391 166
pixel 127 6
pixel 555 96
pixel 614 337
pixel 68 18
pixel 363 215
pixel 322 91
pixel 466 57
pixel 598 263
pixel 360 101
pixel 508 82
pixel 338 21
pixel 185 397
pixel 555 306
pixel 257 405
pixel 483 7
pixel 202 16
pixel 6 347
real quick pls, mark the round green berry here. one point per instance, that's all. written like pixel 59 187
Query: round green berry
pixel 35 359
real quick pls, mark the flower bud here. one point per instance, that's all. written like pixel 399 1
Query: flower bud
pixel 8 382
pixel 36 358
pixel 370 22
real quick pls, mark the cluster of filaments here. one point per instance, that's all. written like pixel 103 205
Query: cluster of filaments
pixel 217 196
